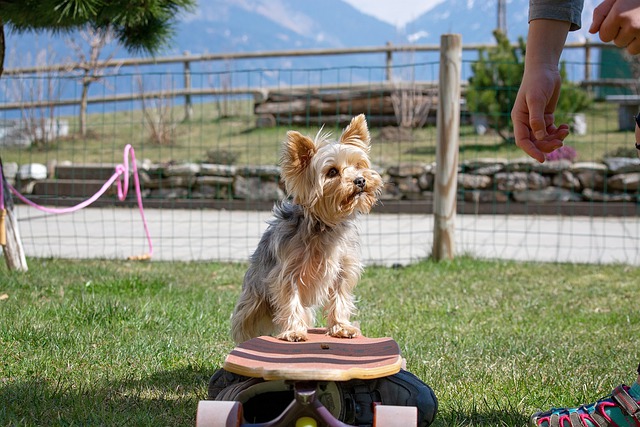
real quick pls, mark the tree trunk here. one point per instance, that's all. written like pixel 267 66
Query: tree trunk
pixel 83 107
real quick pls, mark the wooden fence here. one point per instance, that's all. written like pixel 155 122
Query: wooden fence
pixel 187 92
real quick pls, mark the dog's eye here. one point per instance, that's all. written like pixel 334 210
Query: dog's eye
pixel 332 172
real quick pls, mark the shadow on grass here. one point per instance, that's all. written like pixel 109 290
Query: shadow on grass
pixel 165 398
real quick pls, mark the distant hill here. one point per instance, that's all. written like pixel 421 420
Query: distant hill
pixel 264 25
pixel 239 26
pixel 221 26
pixel 476 20
pixel 242 26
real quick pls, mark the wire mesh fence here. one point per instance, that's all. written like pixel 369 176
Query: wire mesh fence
pixel 208 161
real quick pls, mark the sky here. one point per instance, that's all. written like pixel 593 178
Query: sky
pixel 395 12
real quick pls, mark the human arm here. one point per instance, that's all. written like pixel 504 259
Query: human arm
pixel 533 122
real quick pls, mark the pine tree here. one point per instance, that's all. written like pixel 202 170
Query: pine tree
pixel 138 25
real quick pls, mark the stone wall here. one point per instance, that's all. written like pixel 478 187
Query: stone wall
pixel 525 180
pixel 479 181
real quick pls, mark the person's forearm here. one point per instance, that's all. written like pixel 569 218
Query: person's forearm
pixel 545 41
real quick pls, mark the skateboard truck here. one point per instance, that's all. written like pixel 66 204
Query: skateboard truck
pixel 305 403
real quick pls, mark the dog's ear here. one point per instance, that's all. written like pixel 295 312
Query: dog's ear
pixel 357 133
pixel 298 151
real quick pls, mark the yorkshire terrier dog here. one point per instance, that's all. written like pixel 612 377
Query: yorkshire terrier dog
pixel 309 255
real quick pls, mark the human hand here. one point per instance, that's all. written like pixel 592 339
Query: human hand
pixel 618 21
pixel 533 123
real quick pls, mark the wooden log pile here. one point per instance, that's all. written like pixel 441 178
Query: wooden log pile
pixel 407 105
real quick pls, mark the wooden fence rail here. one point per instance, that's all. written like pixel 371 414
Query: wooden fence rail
pixel 388 50
pixel 187 59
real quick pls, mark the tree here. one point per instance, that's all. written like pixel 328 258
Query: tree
pixel 497 74
pixel 92 66
pixel 138 25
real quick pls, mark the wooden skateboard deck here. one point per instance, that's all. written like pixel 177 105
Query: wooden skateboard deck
pixel 321 358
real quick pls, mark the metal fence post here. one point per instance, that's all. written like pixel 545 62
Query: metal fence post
pixel 448 131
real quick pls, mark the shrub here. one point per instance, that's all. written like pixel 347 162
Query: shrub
pixel 566 152
pixel 222 157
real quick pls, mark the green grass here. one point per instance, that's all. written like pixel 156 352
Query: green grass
pixel 123 343
pixel 235 132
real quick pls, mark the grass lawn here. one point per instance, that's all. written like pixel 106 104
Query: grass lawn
pixel 121 343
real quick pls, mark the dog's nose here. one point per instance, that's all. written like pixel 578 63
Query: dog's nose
pixel 360 182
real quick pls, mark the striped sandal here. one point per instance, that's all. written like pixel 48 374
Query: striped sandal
pixel 617 410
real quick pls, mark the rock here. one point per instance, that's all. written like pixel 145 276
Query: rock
pixel 588 167
pixel 10 171
pixel 591 179
pixel 214 180
pixel 568 180
pixel 170 182
pixel 597 196
pixel 473 164
pixel 212 192
pixel 546 195
pixel 625 182
pixel 262 171
pixel 425 181
pixel 184 169
pixel 32 171
pixel 254 188
pixel 520 164
pixel 408 184
pixel 210 169
pixel 473 182
pixel 619 165
pixel 489 170
pixel 552 166
pixel 404 170
pixel 520 181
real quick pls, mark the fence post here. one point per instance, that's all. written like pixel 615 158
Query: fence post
pixel 389 62
pixel 12 244
pixel 188 108
pixel 448 130
pixel 587 62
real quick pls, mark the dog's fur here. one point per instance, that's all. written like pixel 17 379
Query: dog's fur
pixel 309 255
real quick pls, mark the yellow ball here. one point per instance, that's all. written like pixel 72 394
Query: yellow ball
pixel 306 422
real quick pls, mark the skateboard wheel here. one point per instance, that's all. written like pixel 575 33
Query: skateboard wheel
pixel 400 416
pixel 306 422
pixel 214 413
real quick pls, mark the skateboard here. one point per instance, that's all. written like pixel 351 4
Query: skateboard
pixel 304 365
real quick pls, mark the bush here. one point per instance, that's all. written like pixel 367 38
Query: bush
pixel 494 85
pixel 566 152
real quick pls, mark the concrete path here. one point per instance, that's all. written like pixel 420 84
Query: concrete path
pixel 387 239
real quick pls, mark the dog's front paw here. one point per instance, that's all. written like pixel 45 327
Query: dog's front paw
pixel 293 336
pixel 344 330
